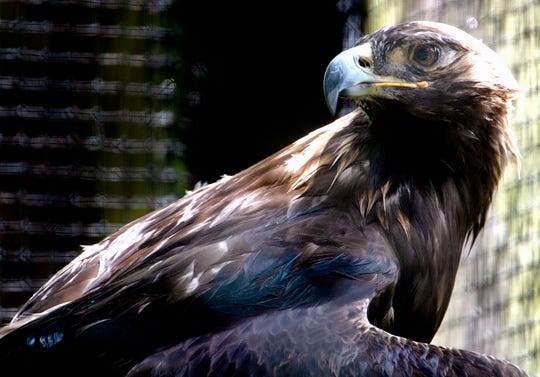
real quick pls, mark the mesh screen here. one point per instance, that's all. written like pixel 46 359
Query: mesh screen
pixel 88 128
pixel 88 141
pixel 496 301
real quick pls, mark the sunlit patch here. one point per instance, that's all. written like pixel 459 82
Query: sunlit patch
pixel 243 202
pixel 189 272
pixel 194 283
pixel 214 270
pixel 126 239
pixel 298 161
pixel 95 248
pixel 188 212
pixel 223 246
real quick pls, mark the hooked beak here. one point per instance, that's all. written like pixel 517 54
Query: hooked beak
pixel 350 74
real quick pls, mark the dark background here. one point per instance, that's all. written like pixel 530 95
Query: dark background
pixel 257 69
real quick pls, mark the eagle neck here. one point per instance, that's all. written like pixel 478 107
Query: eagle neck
pixel 428 189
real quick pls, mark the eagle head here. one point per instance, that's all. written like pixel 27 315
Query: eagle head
pixel 435 70
pixel 443 93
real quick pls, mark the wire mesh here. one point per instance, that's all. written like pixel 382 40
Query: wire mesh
pixel 88 124
pixel 496 301
pixel 88 142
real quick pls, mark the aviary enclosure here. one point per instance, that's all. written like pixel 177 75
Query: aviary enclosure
pixel 111 108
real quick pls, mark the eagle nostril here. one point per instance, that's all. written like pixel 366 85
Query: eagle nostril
pixel 364 62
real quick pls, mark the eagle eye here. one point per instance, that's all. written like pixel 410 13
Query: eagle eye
pixel 425 55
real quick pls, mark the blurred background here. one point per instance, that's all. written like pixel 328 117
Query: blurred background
pixel 112 108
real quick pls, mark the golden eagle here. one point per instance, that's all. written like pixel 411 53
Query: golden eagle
pixel 336 256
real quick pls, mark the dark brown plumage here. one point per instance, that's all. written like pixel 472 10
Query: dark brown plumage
pixel 335 256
